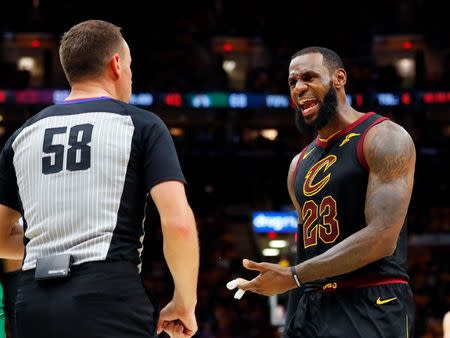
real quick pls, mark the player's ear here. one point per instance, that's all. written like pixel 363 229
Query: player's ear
pixel 339 78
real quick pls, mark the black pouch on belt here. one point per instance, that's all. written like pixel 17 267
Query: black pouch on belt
pixel 53 267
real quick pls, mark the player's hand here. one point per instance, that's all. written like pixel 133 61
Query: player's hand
pixel 177 321
pixel 272 279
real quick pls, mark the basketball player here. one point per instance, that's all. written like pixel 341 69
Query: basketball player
pixel 351 187
pixel 79 173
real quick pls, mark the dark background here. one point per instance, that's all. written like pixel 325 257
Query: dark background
pixel 231 169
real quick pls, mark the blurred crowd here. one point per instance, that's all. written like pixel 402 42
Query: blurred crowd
pixel 174 46
pixel 230 170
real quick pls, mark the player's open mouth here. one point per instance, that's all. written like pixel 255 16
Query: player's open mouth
pixel 308 106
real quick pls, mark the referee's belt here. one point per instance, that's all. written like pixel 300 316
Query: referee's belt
pixel 363 282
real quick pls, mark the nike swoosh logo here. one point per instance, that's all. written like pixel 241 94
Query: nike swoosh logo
pixel 347 138
pixel 307 154
pixel 381 302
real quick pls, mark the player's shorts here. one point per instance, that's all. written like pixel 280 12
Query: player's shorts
pixel 99 300
pixel 376 311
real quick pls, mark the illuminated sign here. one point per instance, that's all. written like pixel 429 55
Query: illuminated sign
pixel 349 99
pixel 277 101
pixel 201 101
pixel 273 221
pixel 173 99
pixel 436 97
pixel 142 99
pixel 60 95
pixel 388 99
pixel 234 100
pixel 2 96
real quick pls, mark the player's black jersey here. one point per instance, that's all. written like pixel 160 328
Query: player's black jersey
pixel 80 173
pixel 330 185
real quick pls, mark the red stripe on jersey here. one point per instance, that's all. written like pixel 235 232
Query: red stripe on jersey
pixel 360 146
pixel 362 283
pixel 298 161
pixel 352 125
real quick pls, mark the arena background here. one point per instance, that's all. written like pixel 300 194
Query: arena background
pixel 216 72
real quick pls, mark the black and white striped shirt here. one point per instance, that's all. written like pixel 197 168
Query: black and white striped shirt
pixel 80 172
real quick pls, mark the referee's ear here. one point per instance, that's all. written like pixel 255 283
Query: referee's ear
pixel 114 66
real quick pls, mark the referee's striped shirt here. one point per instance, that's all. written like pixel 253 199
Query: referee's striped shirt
pixel 80 173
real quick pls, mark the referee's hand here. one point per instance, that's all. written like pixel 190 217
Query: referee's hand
pixel 177 321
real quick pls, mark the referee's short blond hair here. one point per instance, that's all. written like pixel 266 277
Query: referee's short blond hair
pixel 86 48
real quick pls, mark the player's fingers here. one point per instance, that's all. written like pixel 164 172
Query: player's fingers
pixel 239 293
pixel 250 265
pixel 232 284
pixel 245 285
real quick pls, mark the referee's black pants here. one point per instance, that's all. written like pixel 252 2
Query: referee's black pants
pixel 99 300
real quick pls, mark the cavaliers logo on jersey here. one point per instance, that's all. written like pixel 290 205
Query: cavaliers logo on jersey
pixel 347 138
pixel 311 186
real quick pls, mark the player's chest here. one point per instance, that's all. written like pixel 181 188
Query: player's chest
pixel 328 172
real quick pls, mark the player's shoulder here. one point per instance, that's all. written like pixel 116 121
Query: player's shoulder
pixel 389 150
pixel 387 132
pixel 294 163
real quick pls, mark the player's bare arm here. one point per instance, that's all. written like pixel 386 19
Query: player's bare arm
pixel 390 155
pixel 11 234
pixel 290 186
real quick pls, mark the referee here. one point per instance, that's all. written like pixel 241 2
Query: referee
pixel 79 173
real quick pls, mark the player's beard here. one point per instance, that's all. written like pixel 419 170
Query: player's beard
pixel 327 112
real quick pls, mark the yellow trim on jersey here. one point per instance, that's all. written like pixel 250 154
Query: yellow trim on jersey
pixel 381 302
pixel 407 326
pixel 309 152
pixel 328 138
pixel 330 286
pixel 347 138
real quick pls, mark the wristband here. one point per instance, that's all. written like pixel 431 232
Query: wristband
pixel 295 276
